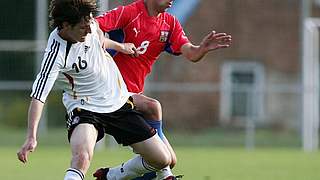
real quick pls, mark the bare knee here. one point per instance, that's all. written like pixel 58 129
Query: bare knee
pixel 160 156
pixel 162 161
pixel 173 161
pixel 151 108
pixel 154 110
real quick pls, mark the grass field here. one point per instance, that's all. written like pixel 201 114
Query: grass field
pixel 211 155
pixel 49 163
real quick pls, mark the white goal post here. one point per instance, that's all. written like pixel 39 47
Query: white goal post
pixel 310 77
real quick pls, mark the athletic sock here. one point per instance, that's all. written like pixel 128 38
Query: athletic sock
pixel 73 174
pixel 164 173
pixel 135 167
pixel 157 124
pixel 147 176
pixel 159 175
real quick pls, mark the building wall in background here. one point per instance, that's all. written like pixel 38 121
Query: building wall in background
pixel 266 32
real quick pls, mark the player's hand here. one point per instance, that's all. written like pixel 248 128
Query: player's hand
pixel 29 146
pixel 215 41
pixel 130 48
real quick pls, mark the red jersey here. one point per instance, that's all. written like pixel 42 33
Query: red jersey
pixel 151 35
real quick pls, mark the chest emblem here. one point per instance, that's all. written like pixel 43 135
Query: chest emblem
pixel 164 35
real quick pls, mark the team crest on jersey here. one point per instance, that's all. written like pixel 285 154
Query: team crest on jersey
pixel 164 35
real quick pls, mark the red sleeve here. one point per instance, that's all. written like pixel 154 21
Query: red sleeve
pixel 114 19
pixel 177 38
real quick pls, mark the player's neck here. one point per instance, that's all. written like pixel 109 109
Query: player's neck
pixel 152 10
pixel 64 35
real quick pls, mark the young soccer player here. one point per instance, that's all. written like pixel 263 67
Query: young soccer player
pixel 152 30
pixel 95 96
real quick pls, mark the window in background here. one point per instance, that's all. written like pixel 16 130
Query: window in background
pixel 242 91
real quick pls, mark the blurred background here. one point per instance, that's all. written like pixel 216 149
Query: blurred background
pixel 262 92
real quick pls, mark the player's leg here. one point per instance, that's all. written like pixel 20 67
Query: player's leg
pixel 165 172
pixel 172 153
pixel 152 156
pixel 130 128
pixel 82 142
pixel 152 111
pixel 160 156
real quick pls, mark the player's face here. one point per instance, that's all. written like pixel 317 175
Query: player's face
pixel 163 5
pixel 78 32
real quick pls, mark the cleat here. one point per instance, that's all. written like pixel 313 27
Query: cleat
pixel 101 174
pixel 174 177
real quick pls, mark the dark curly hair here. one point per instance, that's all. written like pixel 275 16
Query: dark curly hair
pixel 71 11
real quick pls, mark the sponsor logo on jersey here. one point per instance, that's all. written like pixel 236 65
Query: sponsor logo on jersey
pixel 86 48
pixel 164 35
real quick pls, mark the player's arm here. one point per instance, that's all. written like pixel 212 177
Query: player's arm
pixel 211 42
pixel 34 115
pixel 51 64
pixel 125 48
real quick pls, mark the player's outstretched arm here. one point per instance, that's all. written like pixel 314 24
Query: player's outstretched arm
pixel 212 41
pixel 35 110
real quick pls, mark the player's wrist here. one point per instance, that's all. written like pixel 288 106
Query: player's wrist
pixel 202 50
pixel 32 136
pixel 121 47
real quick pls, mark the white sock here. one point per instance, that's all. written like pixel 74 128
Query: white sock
pixel 135 167
pixel 164 173
pixel 73 174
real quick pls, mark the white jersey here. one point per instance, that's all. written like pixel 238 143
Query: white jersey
pixel 86 73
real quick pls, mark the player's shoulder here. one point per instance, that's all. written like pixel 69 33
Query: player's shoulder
pixel 168 15
pixel 55 49
pixel 169 18
pixel 54 38
pixel 56 44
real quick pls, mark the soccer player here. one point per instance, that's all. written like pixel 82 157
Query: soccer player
pixel 95 96
pixel 152 30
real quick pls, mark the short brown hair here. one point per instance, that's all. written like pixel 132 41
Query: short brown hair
pixel 71 11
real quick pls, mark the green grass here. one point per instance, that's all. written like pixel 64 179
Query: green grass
pixel 217 137
pixel 201 163
pixel 215 154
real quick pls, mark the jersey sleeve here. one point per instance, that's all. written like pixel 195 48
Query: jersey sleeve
pixel 177 38
pixel 114 19
pixel 50 67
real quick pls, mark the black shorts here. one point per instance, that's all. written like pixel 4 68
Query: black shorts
pixel 126 125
